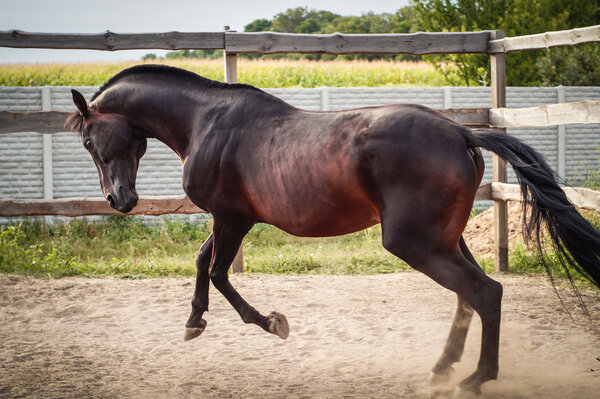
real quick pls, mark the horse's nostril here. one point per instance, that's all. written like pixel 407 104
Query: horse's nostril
pixel 111 200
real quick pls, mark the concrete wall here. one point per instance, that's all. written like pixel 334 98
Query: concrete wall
pixel 58 166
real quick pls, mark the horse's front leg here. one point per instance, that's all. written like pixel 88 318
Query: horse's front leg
pixel 227 240
pixel 196 324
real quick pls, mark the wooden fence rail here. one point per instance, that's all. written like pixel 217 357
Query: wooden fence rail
pixel 147 205
pixel 261 42
pixel 546 40
pixel 337 43
pixel 162 205
pixel 53 121
pixel 274 42
pixel 110 41
pixel 546 115
pixel 583 112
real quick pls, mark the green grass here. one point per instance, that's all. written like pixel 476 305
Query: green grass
pixel 260 73
pixel 128 247
pixel 269 250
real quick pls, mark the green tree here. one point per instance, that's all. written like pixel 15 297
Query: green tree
pixel 404 21
pixel 515 18
pixel 290 20
pixel 309 25
pixel 259 25
pixel 194 54
pixel 571 66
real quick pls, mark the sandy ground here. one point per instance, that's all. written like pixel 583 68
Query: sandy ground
pixel 351 337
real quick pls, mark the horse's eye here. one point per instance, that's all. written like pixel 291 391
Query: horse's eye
pixel 88 145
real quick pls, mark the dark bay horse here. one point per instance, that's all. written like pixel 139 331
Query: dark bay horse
pixel 249 157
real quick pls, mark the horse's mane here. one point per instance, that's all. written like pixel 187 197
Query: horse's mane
pixel 75 120
pixel 164 70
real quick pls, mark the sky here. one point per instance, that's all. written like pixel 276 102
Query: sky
pixel 140 16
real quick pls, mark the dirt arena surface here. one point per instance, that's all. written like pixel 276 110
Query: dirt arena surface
pixel 351 337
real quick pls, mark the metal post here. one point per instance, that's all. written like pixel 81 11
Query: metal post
pixel 562 137
pixel 498 71
pixel 231 77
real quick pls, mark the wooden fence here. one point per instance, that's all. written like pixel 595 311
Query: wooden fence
pixel 489 42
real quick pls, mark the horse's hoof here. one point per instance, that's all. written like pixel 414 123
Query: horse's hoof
pixel 438 393
pixel 278 325
pixel 193 332
pixel 461 393
pixel 435 379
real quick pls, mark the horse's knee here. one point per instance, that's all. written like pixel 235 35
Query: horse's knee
pixel 218 279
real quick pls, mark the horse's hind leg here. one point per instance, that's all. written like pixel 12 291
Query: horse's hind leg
pixel 455 343
pixel 196 324
pixel 424 243
pixel 227 240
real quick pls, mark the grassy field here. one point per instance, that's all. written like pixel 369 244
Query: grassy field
pixel 260 73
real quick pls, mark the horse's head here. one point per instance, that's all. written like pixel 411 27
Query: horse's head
pixel 115 148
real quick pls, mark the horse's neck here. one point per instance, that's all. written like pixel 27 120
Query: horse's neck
pixel 167 116
pixel 172 115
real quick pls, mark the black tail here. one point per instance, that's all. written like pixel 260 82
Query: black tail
pixel 576 241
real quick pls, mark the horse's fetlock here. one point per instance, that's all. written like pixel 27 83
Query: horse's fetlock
pixel 198 305
pixel 247 315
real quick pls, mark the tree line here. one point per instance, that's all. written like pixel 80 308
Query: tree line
pixel 574 66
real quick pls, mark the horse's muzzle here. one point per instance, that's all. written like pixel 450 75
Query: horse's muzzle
pixel 124 202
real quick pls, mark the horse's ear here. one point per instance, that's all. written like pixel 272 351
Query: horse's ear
pixel 80 102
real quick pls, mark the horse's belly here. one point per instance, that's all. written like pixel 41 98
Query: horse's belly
pixel 324 220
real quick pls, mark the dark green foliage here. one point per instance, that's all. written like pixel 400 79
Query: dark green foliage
pixel 210 54
pixel 258 25
pixel 571 66
pixel 577 65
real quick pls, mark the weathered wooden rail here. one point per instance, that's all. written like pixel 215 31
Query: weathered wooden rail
pixel 545 40
pixel 259 42
pixel 147 205
pixel 179 204
pixel 53 121
pixel 489 42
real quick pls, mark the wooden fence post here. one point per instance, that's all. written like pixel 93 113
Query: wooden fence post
pixel 231 77
pixel 498 72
